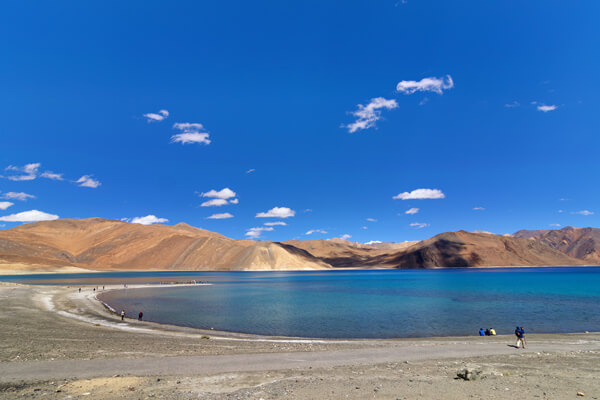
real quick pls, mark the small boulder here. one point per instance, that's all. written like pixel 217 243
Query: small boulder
pixel 469 374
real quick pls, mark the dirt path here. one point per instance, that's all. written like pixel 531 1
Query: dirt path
pixel 210 365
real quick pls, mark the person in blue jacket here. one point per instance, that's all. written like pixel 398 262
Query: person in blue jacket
pixel 481 332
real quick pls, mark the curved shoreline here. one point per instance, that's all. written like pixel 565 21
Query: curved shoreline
pixel 100 312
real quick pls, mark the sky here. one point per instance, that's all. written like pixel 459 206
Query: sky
pixel 368 120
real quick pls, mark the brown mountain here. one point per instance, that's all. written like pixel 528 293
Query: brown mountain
pixel 101 244
pixel 582 243
pixel 464 249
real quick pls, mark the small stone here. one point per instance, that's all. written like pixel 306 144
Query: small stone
pixel 580 394
pixel 469 374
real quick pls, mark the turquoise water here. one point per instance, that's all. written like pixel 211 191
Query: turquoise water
pixel 365 304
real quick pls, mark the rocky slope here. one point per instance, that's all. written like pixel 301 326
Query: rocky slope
pixel 582 243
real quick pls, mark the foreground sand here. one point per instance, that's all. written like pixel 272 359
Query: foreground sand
pixel 57 343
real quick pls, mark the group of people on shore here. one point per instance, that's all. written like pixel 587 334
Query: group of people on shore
pixel 487 332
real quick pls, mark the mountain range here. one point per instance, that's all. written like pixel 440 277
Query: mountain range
pixel 110 245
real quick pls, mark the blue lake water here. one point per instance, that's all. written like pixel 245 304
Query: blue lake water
pixel 363 304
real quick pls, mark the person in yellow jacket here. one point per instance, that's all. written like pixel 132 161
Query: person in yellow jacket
pixel 492 332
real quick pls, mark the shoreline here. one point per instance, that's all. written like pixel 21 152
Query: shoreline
pixel 58 342
pixel 80 270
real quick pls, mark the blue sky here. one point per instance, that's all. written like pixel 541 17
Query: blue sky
pixel 323 110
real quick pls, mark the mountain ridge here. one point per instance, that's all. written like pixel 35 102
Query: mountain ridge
pixel 106 245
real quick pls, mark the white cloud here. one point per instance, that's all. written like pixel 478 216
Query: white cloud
pixel 17 196
pixel 221 194
pixel 28 171
pixel 29 216
pixel 190 133
pixel 5 204
pixel 478 208
pixel 277 212
pixel 254 233
pixel 424 101
pixel 436 85
pixel 52 175
pixel 561 211
pixel 234 201
pixel 420 194
pixel 419 225
pixel 545 108
pixel 345 237
pixel 556 225
pixel 214 203
pixel 278 223
pixel 367 116
pixel 220 216
pixel 148 220
pixel 310 232
pixel 371 220
pixel 161 115
pixel 412 211
pixel 88 181
pixel 251 170
pixel 373 242
pixel 512 105
pixel 364 227
pixel 583 212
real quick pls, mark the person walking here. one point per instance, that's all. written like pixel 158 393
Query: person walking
pixel 122 315
pixel 522 336
pixel 141 314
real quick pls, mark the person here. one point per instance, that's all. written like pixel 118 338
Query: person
pixel 140 316
pixel 487 332
pixel 492 332
pixel 102 287
pixel 122 315
pixel 522 336
pixel 79 290
pixel 481 332
pixel 94 290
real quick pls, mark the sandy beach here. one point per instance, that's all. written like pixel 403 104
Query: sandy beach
pixel 59 343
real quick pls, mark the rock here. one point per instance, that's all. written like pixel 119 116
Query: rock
pixel 469 374
pixel 580 394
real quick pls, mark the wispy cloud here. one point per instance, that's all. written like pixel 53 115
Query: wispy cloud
pixel 277 212
pixel 251 170
pixel 545 108
pixel 5 204
pixel 367 116
pixel 411 211
pixel 277 223
pixel 52 175
pixel 254 233
pixel 190 133
pixel 372 242
pixel 27 172
pixel 371 220
pixel 310 232
pixel 17 196
pixel 345 237
pixel 364 227
pixel 88 181
pixel 29 216
pixel 478 208
pixel 583 212
pixel 556 225
pixel 420 194
pixel 512 105
pixel 147 220
pixel 156 117
pixel 419 225
pixel 431 84
pixel 220 216
pixel 214 203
